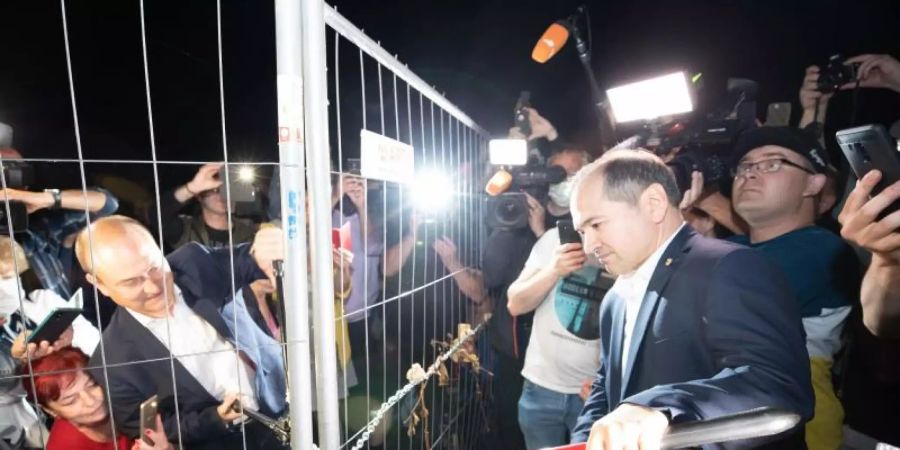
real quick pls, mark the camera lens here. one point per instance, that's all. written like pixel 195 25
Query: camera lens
pixel 509 211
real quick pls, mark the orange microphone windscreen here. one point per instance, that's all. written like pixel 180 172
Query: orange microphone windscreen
pixel 551 42
pixel 498 183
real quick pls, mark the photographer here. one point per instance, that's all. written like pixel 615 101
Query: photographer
pixel 873 71
pixel 504 258
pixel 209 223
pixel 55 216
pixel 564 349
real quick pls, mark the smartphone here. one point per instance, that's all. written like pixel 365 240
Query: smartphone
pixel 341 238
pixel 521 115
pixel 54 325
pixel 353 166
pixel 778 114
pixel 567 233
pixel 149 409
pixel 870 147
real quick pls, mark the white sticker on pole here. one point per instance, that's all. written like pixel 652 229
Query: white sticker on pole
pixel 383 158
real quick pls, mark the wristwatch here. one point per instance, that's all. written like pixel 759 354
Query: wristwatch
pixel 57 198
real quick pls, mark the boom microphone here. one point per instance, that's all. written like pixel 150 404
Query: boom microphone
pixel 551 42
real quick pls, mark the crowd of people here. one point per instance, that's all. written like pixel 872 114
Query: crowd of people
pixel 727 296
pixel 677 305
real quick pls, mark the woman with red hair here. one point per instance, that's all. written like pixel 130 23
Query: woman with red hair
pixel 59 383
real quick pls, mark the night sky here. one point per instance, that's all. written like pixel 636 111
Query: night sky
pixel 478 53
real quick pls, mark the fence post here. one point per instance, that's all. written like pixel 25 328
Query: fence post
pixel 315 102
pixel 290 148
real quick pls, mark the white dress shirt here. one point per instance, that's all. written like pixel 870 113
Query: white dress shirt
pixel 209 357
pixel 633 287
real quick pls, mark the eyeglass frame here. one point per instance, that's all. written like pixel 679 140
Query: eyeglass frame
pixel 736 172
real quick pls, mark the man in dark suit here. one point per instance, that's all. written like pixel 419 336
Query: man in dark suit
pixel 179 332
pixel 693 328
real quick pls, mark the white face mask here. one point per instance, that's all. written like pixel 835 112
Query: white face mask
pixel 561 193
pixel 11 292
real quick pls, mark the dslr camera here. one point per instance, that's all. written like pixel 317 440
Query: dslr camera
pixel 836 73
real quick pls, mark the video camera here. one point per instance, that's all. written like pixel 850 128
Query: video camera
pixel 704 142
pixel 507 207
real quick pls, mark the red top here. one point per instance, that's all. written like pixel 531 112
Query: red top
pixel 64 436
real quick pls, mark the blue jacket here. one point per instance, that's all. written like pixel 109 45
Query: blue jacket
pixel 718 332
pixel 138 365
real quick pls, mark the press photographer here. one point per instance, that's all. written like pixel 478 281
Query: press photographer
pixel 529 193
pixel 862 71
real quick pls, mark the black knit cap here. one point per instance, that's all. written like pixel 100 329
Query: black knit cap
pixel 796 140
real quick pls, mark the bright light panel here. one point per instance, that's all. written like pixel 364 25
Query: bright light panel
pixel 508 152
pixel 649 99
pixel 432 191
pixel 246 174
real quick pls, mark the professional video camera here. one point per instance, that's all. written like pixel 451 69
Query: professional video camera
pixel 703 141
pixel 835 74
pixel 507 207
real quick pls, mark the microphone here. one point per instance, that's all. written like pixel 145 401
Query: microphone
pixel 551 42
pixel 498 183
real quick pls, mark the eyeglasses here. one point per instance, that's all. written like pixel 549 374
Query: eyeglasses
pixel 766 166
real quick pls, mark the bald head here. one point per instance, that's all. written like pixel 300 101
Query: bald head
pixel 123 261
pixel 107 237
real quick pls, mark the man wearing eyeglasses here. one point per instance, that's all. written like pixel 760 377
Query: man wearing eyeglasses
pixel 778 181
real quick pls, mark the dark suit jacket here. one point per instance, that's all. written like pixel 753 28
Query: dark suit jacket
pixel 718 332
pixel 203 276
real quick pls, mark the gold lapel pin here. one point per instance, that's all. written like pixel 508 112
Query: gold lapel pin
pixel 668 262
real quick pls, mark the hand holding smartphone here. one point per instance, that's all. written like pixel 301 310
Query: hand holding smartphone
pixel 149 410
pixel 867 148
pixel 567 233
pixel 53 326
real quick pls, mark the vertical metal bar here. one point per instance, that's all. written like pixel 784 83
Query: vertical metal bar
pixel 384 247
pixel 290 148
pixel 412 303
pixel 337 104
pixel 364 225
pixel 315 102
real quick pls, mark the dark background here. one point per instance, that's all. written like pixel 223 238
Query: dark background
pixel 477 52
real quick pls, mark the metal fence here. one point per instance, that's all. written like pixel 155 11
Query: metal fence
pixel 393 358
